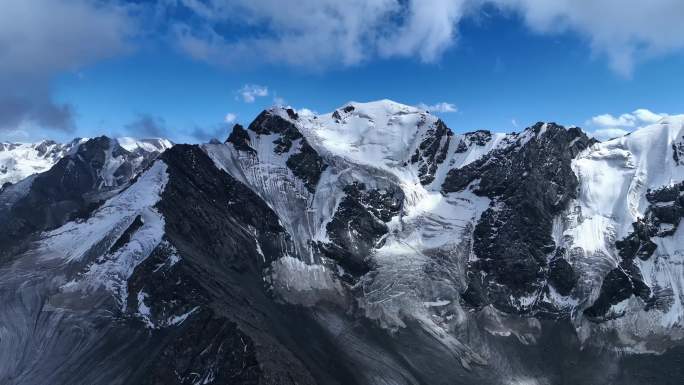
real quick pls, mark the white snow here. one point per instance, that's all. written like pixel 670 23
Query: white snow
pixel 614 177
pixel 269 177
pixel 437 303
pixel 148 145
pixel 76 241
pixel 11 194
pixel 144 310
pixel 378 134
pixel 179 319
pixel 19 160
pixel 145 314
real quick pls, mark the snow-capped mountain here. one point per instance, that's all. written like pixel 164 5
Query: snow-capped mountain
pixel 19 160
pixel 369 245
pixel 91 171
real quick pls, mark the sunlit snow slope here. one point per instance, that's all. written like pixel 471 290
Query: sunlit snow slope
pixel 19 160
pixel 616 179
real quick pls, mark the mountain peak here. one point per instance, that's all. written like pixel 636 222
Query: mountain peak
pixel 384 105
pixel 380 133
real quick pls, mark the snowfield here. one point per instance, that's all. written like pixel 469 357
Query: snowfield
pixel 614 178
pixel 19 160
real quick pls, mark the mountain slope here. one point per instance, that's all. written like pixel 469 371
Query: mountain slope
pixel 370 245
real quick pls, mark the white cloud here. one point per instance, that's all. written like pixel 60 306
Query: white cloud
pixel 647 116
pixel 313 33
pixel 607 126
pixel 608 133
pixel 622 30
pixel 306 112
pixel 249 92
pixel 230 118
pixel 40 39
pixel 279 101
pixel 442 107
pixel 607 120
pixel 429 29
pixel 320 33
pixel 636 118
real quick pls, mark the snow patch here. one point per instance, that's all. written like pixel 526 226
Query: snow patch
pixel 19 160
pixel 89 241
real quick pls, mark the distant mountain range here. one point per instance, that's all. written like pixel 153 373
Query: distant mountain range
pixel 370 245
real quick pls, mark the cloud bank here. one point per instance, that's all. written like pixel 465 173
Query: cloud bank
pixel 320 33
pixel 624 31
pixel 607 126
pixel 442 107
pixel 40 39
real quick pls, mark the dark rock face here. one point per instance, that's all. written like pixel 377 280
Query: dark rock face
pixel 359 224
pixel 206 188
pixel 126 236
pixel 638 244
pixel 529 183
pixel 240 139
pixel 305 162
pixel 209 271
pixel 58 193
pixel 678 152
pixel 618 285
pixel 477 138
pixel 204 210
pixel 307 165
pixel 432 151
pixel 292 114
pixel 207 342
pixel 268 123
pixel 562 276
pixel 661 219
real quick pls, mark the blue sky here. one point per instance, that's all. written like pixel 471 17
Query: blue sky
pixel 179 68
